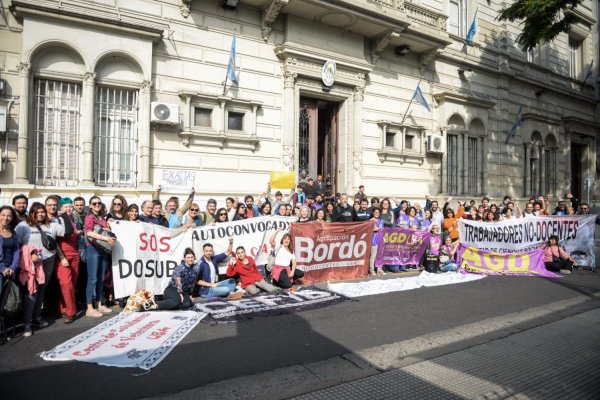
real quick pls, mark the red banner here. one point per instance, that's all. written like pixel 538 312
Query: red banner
pixel 332 251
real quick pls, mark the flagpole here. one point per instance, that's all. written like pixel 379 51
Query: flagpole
pixel 225 86
pixel 409 104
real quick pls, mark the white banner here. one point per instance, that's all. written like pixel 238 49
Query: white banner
pixel 135 340
pixel 575 233
pixel 174 180
pixel 146 255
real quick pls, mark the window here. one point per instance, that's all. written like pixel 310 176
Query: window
pixel 409 142
pixel 56 132
pixel 390 138
pixel 115 136
pixel 235 121
pixel 472 166
pixel 575 57
pixel 452 164
pixel 456 19
pixel 203 117
pixel 533 55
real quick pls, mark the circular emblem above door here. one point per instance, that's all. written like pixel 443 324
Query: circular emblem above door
pixel 328 73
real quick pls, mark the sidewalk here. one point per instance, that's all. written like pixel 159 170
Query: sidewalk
pixel 559 360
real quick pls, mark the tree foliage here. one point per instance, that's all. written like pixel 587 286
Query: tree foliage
pixel 542 20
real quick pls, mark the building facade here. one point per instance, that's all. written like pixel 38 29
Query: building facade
pixel 115 96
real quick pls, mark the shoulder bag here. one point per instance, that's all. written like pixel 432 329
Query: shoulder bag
pixel 102 246
pixel 48 242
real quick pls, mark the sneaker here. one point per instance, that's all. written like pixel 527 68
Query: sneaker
pixel 27 332
pixel 40 323
pixel 381 272
pixel 565 272
pixel 235 296
pixel 93 313
pixel 69 320
pixel 104 310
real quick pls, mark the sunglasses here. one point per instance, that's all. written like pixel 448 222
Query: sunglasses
pixel 194 209
pixel 95 203
pixel 223 215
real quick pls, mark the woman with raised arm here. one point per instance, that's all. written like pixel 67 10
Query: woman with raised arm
pixel 556 259
pixel 284 271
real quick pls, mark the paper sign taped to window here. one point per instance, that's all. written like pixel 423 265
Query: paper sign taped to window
pixel 282 179
pixel 177 180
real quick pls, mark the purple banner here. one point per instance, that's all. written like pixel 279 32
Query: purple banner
pixel 399 246
pixel 478 261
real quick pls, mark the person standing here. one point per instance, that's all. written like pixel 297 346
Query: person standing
pixel 9 245
pixel 344 212
pixel 20 203
pixel 36 232
pixel 96 261
pixel 67 263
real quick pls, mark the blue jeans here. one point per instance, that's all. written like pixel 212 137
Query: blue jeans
pixel 448 267
pixel 223 289
pixel 96 267
pixel 395 268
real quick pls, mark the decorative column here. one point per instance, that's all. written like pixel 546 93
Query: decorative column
pixel 527 171
pixel 144 135
pixel 23 139
pixel 465 163
pixel 288 120
pixel 359 96
pixel 444 164
pixel 483 165
pixel 86 174
pixel 543 171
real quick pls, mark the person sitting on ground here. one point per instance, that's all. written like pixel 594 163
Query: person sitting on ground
pixel 178 292
pixel 281 274
pixel 222 215
pixel 556 259
pixel 432 253
pixel 447 255
pixel 251 279
pixel 208 279
pixel 133 213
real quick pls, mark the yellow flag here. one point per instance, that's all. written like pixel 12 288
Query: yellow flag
pixel 282 179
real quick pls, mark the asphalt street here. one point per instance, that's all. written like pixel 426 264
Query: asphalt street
pixel 212 354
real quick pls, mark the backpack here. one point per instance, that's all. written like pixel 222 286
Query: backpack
pixel 12 301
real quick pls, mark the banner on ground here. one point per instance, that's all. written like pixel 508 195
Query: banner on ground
pixel 399 246
pixel 520 235
pixel 332 251
pixel 479 261
pixel 146 255
pixel 138 340
pixel 267 304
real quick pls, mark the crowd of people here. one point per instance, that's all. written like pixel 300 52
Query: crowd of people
pixel 57 240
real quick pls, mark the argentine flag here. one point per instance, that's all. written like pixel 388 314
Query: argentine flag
pixel 419 98
pixel 231 64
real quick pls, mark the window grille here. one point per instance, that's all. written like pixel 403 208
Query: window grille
pixel 452 164
pixel 235 121
pixel 56 133
pixel 472 170
pixel 115 137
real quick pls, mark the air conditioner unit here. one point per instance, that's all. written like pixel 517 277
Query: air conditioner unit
pixel 436 144
pixel 535 153
pixel 163 113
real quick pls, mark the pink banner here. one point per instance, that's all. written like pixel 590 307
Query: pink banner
pixel 479 261
pixel 399 246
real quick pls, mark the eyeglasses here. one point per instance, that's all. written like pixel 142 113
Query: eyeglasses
pixel 95 203
pixel 194 209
